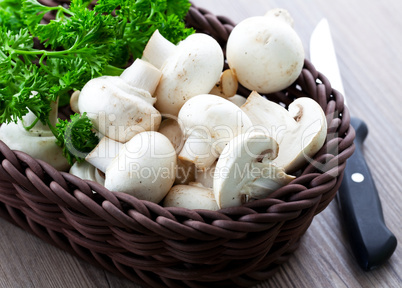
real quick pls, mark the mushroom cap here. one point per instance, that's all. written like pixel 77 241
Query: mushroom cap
pixel 266 54
pixel 191 197
pixel 118 110
pixel 240 166
pixel 40 145
pixel 209 122
pixel 193 68
pixel 300 131
pixel 144 168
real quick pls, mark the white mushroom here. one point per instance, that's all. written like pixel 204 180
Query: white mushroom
pixel 86 171
pixel 241 176
pixel 192 67
pixel 300 131
pixel 265 52
pixel 227 85
pixel 209 122
pixel 145 167
pixel 192 196
pixel 39 141
pixel 121 106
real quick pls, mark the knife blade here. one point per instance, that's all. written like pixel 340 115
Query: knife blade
pixel 371 241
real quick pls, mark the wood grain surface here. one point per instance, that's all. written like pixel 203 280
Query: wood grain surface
pixel 368 39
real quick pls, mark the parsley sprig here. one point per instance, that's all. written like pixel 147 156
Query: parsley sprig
pixel 82 42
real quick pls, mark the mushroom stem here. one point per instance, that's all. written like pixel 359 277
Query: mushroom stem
pixel 104 153
pixel 241 176
pixel 281 14
pixel 198 151
pixel 157 50
pixel 271 179
pixel 142 75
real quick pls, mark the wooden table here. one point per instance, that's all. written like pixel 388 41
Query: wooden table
pixel 368 38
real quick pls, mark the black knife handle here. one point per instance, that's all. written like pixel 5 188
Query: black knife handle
pixel 371 241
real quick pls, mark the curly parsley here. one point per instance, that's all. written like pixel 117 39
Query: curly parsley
pixel 81 43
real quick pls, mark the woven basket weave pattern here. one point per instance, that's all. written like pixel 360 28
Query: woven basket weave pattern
pixel 175 247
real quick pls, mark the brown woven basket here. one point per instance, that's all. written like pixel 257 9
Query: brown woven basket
pixel 175 247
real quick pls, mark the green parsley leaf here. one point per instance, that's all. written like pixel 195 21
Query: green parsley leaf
pixel 76 137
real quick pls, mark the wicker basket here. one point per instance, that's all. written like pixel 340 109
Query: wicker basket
pixel 174 247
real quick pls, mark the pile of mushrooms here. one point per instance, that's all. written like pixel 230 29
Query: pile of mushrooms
pixel 175 132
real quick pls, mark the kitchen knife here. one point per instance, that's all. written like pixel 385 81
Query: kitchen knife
pixel 371 241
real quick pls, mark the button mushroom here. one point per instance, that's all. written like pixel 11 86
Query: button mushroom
pixel 192 67
pixel 209 122
pixel 39 141
pixel 122 106
pixel 265 52
pixel 300 131
pixel 192 196
pixel 145 167
pixel 241 176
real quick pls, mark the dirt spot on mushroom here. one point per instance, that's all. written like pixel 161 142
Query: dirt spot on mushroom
pixel 263 37
pixel 299 114
pixel 291 69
